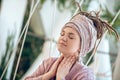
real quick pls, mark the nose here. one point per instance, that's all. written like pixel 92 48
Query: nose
pixel 64 38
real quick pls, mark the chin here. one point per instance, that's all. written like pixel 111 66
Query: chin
pixel 61 50
pixel 64 52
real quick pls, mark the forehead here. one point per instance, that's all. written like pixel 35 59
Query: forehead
pixel 70 30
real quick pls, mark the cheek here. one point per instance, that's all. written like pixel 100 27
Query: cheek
pixel 60 37
pixel 74 46
pixel 58 42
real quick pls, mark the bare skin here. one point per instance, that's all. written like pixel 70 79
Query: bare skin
pixel 65 67
pixel 68 45
pixel 53 69
pixel 60 68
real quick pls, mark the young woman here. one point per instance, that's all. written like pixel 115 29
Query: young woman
pixel 77 38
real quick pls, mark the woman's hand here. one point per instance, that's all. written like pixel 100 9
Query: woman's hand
pixel 64 67
pixel 53 69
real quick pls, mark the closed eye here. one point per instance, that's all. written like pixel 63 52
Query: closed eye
pixel 71 36
pixel 62 33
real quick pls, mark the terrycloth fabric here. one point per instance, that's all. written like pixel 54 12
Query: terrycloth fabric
pixel 86 30
pixel 77 72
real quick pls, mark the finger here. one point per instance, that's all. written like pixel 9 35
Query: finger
pixel 59 60
pixel 71 61
pixel 63 61
pixel 66 60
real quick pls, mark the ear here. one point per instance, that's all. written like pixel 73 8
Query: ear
pixel 77 53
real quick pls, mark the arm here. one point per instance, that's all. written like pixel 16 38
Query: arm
pixel 45 76
pixel 40 74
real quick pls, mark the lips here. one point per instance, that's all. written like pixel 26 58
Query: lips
pixel 62 43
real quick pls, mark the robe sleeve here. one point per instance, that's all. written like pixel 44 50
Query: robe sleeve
pixel 37 75
pixel 86 75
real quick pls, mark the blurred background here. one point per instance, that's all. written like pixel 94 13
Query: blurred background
pixel 29 30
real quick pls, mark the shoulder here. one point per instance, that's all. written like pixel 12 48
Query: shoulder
pixel 82 72
pixel 87 74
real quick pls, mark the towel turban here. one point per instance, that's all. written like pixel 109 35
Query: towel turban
pixel 87 32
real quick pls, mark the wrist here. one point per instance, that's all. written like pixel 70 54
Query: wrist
pixel 60 78
pixel 46 76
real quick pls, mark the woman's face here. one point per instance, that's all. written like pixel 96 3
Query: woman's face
pixel 69 42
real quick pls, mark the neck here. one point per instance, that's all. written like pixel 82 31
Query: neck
pixel 65 55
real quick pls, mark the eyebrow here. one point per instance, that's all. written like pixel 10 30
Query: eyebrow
pixel 70 33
